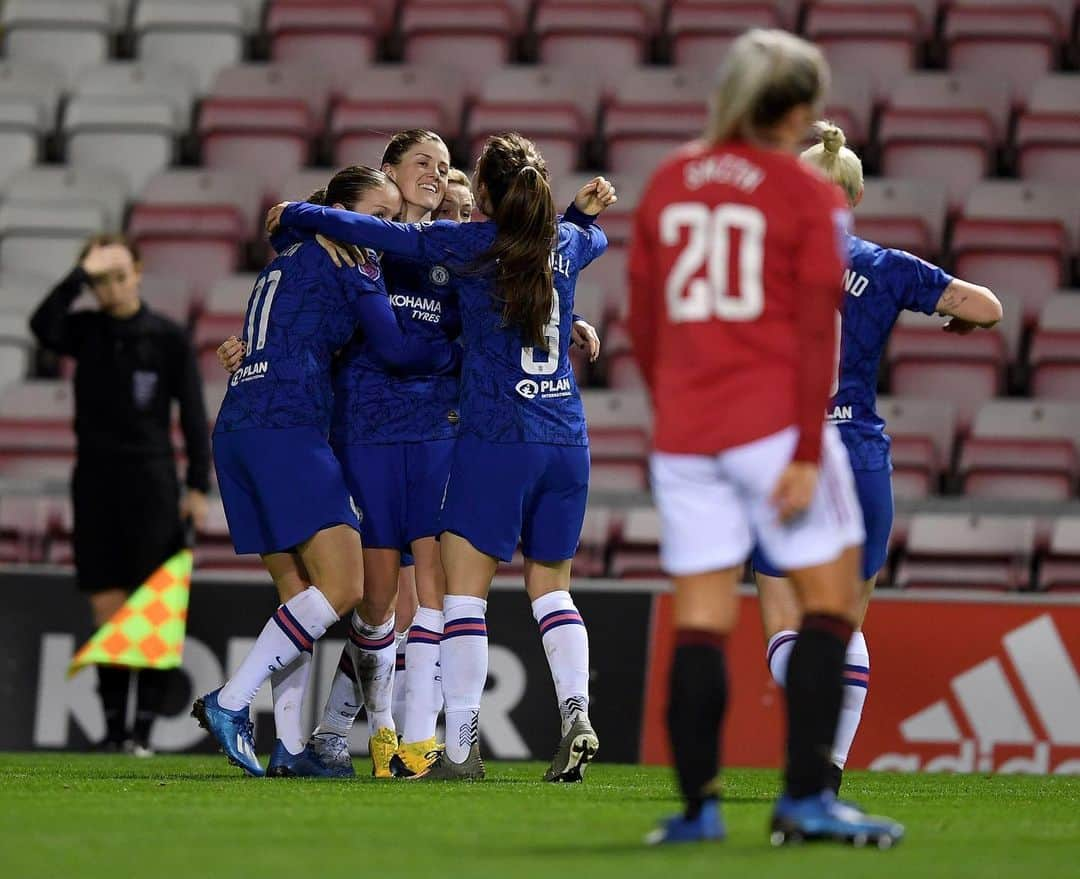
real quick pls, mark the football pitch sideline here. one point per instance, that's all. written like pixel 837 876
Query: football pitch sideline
pixel 74 816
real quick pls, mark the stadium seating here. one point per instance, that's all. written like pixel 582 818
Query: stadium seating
pixel 1018 41
pixel 957 550
pixel 1060 568
pixel 875 40
pixel 607 37
pixel 636 548
pixel 923 431
pixel 943 127
pixel 1048 131
pixel 73 36
pixel 203 35
pixel 29 97
pixel 59 186
pixel 42 239
pixel 700 31
pixel 1017 236
pixel 551 105
pixel 475 38
pixel 222 316
pixel 330 35
pixel 1055 350
pixel 135 80
pixel 1028 420
pixel 1043 470
pixel 650 113
pixel 908 214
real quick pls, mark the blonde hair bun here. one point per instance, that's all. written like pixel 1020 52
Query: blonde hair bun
pixel 831 136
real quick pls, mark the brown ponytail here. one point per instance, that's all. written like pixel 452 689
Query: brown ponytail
pixel 516 179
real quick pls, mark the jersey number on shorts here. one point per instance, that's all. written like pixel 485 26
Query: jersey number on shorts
pixel 529 363
pixel 708 246
pixel 268 282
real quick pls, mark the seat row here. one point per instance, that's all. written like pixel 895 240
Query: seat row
pixel 928 550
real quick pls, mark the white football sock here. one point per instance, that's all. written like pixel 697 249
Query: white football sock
pixel 422 680
pixel 856 682
pixel 373 657
pixel 566 643
pixel 779 652
pixel 293 629
pixel 464 658
pixel 287 687
pixel 345 699
pixel 398 710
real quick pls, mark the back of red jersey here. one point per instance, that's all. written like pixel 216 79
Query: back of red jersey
pixel 736 276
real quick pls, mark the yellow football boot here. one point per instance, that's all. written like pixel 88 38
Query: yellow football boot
pixel 416 758
pixel 382 746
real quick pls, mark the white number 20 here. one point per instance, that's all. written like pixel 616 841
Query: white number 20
pixel 709 245
pixel 270 281
pixel 529 363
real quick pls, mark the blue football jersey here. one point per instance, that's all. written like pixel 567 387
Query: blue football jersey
pixel 510 392
pixel 302 310
pixel 879 284
pixel 374 405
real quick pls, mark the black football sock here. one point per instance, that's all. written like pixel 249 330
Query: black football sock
pixel 815 694
pixel 696 713
pixel 113 685
pixel 149 695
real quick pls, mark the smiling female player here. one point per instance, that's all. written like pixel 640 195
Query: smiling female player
pixel 880 284
pixel 520 467
pixel 284 491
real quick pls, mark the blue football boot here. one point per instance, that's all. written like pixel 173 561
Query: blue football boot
pixel 306 764
pixel 232 729
pixel 823 817
pixel 708 826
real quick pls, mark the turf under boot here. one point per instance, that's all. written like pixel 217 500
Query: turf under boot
pixel 708 826
pixel 445 769
pixel 576 751
pixel 233 731
pixel 822 817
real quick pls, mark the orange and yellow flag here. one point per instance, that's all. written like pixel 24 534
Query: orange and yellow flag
pixel 148 631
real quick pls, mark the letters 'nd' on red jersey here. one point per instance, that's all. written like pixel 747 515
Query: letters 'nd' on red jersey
pixel 736 272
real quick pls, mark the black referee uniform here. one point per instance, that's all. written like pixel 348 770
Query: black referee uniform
pixel 125 489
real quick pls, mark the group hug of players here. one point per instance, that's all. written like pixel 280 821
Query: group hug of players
pixel 402 392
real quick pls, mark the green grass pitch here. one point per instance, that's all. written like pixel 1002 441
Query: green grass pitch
pixel 66 816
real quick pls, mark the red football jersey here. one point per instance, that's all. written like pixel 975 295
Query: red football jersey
pixel 736 272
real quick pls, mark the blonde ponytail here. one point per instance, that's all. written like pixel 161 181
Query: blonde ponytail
pixel 838 163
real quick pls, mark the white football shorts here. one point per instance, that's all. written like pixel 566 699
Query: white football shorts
pixel 714 508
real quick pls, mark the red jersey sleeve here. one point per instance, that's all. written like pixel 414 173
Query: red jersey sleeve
pixel 643 316
pixel 820 266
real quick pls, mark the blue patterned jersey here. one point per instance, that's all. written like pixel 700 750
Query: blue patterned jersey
pixel 302 310
pixel 372 404
pixel 879 284
pixel 510 392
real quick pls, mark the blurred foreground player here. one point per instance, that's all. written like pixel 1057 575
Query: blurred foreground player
pixel 735 275
pixel 131 363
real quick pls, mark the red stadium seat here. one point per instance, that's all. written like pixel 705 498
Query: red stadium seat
pixel 1016 236
pixel 636 550
pixel 923 359
pixel 475 38
pixel 943 127
pixel 570 33
pixel 620 423
pixel 908 214
pixel 591 558
pixel 1048 131
pixel 1060 568
pixel 553 106
pixel 653 111
pixel 915 468
pixel 262 82
pixel 1042 470
pixel 329 34
pixel 702 30
pixel 1055 350
pixel 192 223
pixel 277 130
pixel 850 104
pixel 1016 41
pixel 169 295
pixel 618 476
pixel 879 40
pixel 967 550
pixel 1029 420
pixel 223 316
pixel 925 424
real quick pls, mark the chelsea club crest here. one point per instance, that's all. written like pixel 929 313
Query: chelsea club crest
pixel 439 275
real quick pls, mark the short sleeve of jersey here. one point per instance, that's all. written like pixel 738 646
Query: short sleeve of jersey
pixel 915 284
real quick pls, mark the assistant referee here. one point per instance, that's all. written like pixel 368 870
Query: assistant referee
pixel 131 363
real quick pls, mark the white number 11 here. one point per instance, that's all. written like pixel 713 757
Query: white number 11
pixel 270 283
